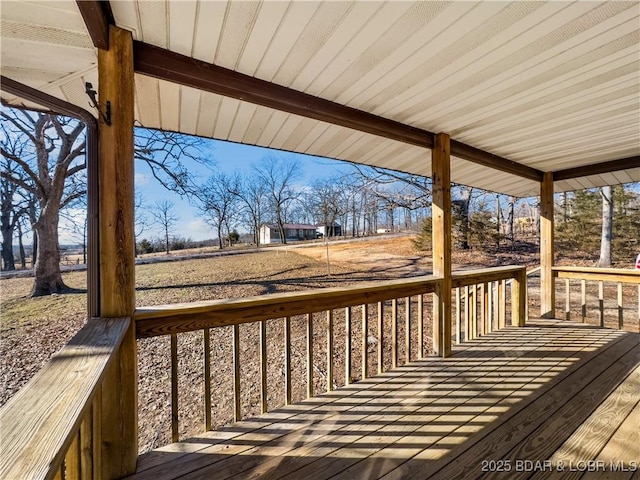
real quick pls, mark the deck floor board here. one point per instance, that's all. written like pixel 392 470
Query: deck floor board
pixel 553 390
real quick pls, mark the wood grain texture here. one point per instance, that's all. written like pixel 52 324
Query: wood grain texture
pixel 547 284
pixel 175 408
pixel 365 341
pixel 624 275
pixel 264 404
pixel 441 242
pixel 347 345
pixel 309 355
pixel 41 420
pixel 117 243
pixel 207 378
pixel 177 318
pixel 329 350
pixel 380 337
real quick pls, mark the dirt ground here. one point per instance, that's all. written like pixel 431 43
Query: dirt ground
pixel 31 330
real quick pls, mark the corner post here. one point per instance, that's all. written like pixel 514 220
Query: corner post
pixel 547 283
pixel 441 242
pixel 119 419
pixel 519 299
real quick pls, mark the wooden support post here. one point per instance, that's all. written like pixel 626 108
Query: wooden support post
pixel 119 419
pixel 441 239
pixel 547 280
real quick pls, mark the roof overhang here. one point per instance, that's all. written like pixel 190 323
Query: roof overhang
pixel 522 87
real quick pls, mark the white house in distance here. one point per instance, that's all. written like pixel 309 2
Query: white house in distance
pixel 293 232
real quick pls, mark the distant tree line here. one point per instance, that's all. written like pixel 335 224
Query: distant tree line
pixel 43 179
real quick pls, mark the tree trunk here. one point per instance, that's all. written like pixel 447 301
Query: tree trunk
pixel 23 254
pixel 607 227
pixel 47 265
pixel 8 260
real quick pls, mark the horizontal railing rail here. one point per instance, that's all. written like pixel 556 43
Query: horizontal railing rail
pixel 51 427
pixel 180 318
pixel 611 283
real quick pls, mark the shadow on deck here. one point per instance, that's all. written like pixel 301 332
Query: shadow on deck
pixel 552 399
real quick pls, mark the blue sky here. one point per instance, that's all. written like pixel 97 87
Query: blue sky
pixel 229 157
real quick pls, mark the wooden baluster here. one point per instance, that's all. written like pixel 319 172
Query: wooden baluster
pixel 620 307
pixel 502 303
pixel 381 337
pixel 72 459
pixel 583 299
pixel 421 325
pixel 473 326
pixel 347 346
pixel 407 330
pixel 467 314
pixel 394 333
pixel 483 308
pixel 264 403
pixel 309 355
pixel 287 360
pixel 489 307
pixel 207 379
pixel 237 412
pixel 638 308
pixel 458 313
pixel 86 445
pixel 601 303
pixel 329 350
pixel 174 388
pixel 365 340
pixel 96 433
pixel 567 299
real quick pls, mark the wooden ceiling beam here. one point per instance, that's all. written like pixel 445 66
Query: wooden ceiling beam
pixel 97 16
pixel 597 168
pixel 481 157
pixel 170 66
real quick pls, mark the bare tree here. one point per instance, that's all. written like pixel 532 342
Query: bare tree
pixel 607 226
pixel 217 200
pixel 279 174
pixel 52 170
pixel 164 215
pixel 326 203
pixel 51 167
pixel 252 195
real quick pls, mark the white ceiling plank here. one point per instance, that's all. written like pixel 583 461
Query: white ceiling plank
pixel 241 122
pixel 148 101
pixel 169 106
pixel 182 21
pixel 239 21
pixel 292 26
pixel 226 117
pixel 209 107
pixel 189 104
pixel 209 22
pixel 153 22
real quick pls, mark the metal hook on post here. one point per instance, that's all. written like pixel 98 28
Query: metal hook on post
pixel 94 103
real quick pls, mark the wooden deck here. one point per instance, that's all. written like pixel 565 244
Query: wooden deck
pixel 550 400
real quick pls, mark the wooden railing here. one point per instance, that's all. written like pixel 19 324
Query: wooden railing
pixel 52 427
pixel 371 303
pixel 610 283
pixel 392 312
pixel 481 300
pixel 56 426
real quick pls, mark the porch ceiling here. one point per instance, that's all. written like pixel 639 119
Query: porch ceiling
pixel 549 85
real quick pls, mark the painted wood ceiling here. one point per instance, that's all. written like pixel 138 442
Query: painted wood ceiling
pixel 551 85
